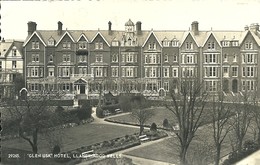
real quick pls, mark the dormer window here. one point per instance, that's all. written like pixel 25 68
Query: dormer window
pixel 225 43
pixel 175 43
pixel 51 42
pixel 234 43
pixel 35 45
pixel 115 43
pixel 165 43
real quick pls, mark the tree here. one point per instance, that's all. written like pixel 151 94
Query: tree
pixel 153 127
pixel 241 120
pixel 32 117
pixel 220 114
pixel 187 107
pixel 166 123
pixel 125 103
pixel 142 114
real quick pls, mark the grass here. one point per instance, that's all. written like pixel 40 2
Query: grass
pixel 160 113
pixel 161 151
pixel 76 137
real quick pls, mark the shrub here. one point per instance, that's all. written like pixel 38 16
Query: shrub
pixel 59 109
pixel 125 104
pixel 99 112
pixel 84 112
pixel 153 127
pixel 56 149
pixel 166 123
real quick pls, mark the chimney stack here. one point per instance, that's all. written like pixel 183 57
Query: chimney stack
pixel 3 40
pixel 31 27
pixel 109 28
pixel 139 27
pixel 254 27
pixel 246 28
pixel 195 27
pixel 59 28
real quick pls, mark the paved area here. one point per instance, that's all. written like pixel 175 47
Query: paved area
pixel 253 159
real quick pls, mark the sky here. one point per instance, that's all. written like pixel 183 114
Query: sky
pixel 154 14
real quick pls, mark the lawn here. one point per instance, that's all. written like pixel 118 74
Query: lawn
pixel 161 151
pixel 160 113
pixel 76 137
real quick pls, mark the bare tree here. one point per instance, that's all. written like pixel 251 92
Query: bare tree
pixel 141 114
pixel 241 120
pixel 187 107
pixel 32 117
pixel 220 114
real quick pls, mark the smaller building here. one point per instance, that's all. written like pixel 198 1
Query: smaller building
pixel 11 67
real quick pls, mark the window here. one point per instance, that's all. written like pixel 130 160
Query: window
pixel 187 72
pixel 83 70
pixel 190 59
pixel 234 58
pixel 225 58
pixel 35 57
pixel 152 72
pixel 82 45
pixel 225 72
pixel 166 72
pixel 66 58
pixel 51 42
pixel 225 43
pixel 234 71
pixel 175 43
pixel 210 58
pixel 248 45
pixel 129 72
pixel 35 45
pixel 66 45
pixel 114 71
pixel 99 45
pixel 130 57
pixel 234 43
pixel 34 87
pixel 175 58
pixel 14 64
pixel 51 58
pixel 114 57
pixel 82 58
pixel 248 58
pixel 0 64
pixel 99 58
pixel 115 43
pixel 175 72
pixel 189 45
pixel 65 71
pixel 14 52
pixel 248 71
pixel 166 58
pixel 152 46
pixel 248 85
pixel 65 87
pixel 211 86
pixel 211 45
pixel 212 71
pixel 166 86
pixel 99 72
pixel 51 72
pixel 165 43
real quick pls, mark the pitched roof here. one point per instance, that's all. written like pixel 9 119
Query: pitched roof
pixel 6 46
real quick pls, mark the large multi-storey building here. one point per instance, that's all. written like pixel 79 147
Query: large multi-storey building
pixel 11 66
pixel 133 60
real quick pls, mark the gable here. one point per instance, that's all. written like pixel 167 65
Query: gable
pixel 66 36
pixel 82 37
pixel 100 37
pixel 34 36
pixel 211 39
pixel 189 38
pixel 151 39
pixel 248 38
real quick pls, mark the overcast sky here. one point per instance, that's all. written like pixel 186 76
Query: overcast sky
pixel 154 14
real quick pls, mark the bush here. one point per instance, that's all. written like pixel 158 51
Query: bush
pixel 99 112
pixel 166 123
pixel 59 109
pixel 56 149
pixel 125 104
pixel 84 112
pixel 153 127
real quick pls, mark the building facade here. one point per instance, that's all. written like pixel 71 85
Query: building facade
pixel 81 62
pixel 11 66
